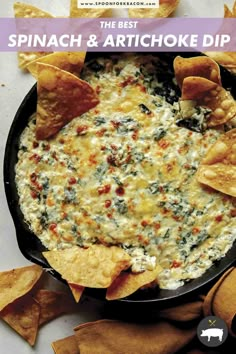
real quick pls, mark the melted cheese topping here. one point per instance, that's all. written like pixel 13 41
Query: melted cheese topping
pixel 124 174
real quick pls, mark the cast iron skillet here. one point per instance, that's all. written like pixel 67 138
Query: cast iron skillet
pixel 32 248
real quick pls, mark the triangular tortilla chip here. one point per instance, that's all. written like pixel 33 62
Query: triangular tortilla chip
pixel 93 267
pixel 224 150
pixel 166 7
pixel 66 345
pixel 127 283
pixel 61 97
pixel 218 168
pixel 76 12
pixel 69 61
pixel 202 66
pixel 53 304
pixel 195 88
pixel 17 282
pixel 23 317
pixel 210 95
pixel 77 291
pixel 22 10
pixel 218 177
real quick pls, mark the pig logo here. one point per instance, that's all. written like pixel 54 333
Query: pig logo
pixel 212 331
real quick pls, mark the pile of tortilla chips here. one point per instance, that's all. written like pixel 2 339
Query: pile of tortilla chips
pixel 25 306
pixel 199 80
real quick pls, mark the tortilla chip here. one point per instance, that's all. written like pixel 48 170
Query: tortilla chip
pixel 75 12
pixel 53 304
pixel 68 61
pixel 94 267
pixel 66 345
pixel 224 150
pixel 234 9
pixel 22 10
pixel 77 291
pixel 17 282
pixel 195 88
pixel 218 177
pixel 208 94
pixel 197 66
pixel 28 11
pixel 61 97
pixel 24 58
pixel 23 317
pixel 166 7
pixel 218 168
pixel 227 12
pixel 226 59
pixel 127 283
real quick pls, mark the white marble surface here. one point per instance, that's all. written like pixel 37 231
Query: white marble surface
pixel 13 86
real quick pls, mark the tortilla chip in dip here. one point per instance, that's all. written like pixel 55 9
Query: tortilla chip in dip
pixel 127 283
pixel 166 7
pixel 202 66
pixel 61 97
pixel 22 10
pixel 224 150
pixel 17 282
pixel 68 61
pixel 94 267
pixel 23 317
pixel 196 88
pixel 76 12
pixel 210 95
pixel 218 168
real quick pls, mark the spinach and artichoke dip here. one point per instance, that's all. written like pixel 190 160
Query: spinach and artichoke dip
pixel 124 174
